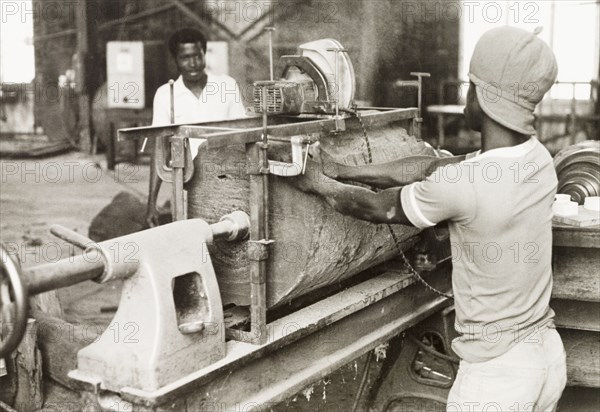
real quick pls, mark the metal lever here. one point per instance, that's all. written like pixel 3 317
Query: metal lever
pixel 419 119
pixel 419 85
pixel 70 236
pixel 419 76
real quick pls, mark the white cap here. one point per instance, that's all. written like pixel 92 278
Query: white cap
pixel 512 70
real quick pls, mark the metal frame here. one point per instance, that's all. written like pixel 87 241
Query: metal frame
pixel 253 135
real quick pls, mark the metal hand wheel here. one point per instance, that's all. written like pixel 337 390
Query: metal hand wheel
pixel 13 304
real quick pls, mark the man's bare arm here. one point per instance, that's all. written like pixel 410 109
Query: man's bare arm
pixel 361 203
pixel 399 172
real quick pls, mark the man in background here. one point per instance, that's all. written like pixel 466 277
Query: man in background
pixel 198 96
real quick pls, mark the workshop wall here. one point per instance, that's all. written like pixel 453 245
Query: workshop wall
pixel 386 39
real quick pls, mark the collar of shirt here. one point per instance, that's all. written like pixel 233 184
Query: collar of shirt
pixel 179 88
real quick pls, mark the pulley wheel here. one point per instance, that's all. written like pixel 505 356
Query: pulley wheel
pixel 578 170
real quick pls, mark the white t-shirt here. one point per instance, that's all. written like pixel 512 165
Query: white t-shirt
pixel 220 100
pixel 498 205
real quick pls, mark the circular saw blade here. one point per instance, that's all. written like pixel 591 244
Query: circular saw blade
pixel 343 87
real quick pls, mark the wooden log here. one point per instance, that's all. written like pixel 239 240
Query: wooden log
pixel 8 383
pixel 29 372
pixel 22 386
pixel 314 245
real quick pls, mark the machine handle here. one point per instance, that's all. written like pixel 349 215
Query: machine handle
pixel 71 236
pixel 11 271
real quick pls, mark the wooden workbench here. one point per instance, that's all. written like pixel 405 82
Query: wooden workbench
pixel 576 300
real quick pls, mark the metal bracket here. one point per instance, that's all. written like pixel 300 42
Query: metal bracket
pixel 177 151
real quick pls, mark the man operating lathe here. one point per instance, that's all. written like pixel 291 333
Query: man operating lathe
pixel 198 96
pixel 498 205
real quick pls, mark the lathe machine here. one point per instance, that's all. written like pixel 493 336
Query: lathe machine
pixel 256 290
pixel 240 309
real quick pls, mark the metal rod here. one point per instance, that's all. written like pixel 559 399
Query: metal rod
pixel 250 130
pixel 260 189
pixel 71 236
pixel 172 101
pixel 336 81
pixel 270 31
pixel 265 165
pixel 66 272
pixel 265 119
pixel 419 119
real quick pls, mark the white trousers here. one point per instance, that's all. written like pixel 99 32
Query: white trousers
pixel 529 377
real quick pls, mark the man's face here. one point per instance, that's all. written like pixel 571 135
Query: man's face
pixel 473 112
pixel 190 61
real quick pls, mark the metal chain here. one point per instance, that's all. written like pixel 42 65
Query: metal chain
pixel 354 112
pixel 407 264
pixel 413 270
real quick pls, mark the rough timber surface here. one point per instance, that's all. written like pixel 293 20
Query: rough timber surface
pixel 314 245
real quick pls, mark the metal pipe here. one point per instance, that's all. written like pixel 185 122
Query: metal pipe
pixel 265 165
pixel 66 272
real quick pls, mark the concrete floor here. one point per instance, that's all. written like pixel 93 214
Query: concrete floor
pixel 70 189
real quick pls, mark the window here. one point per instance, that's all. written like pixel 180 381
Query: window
pixel 16 42
pixel 571 28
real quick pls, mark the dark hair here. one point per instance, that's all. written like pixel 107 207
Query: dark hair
pixel 186 36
